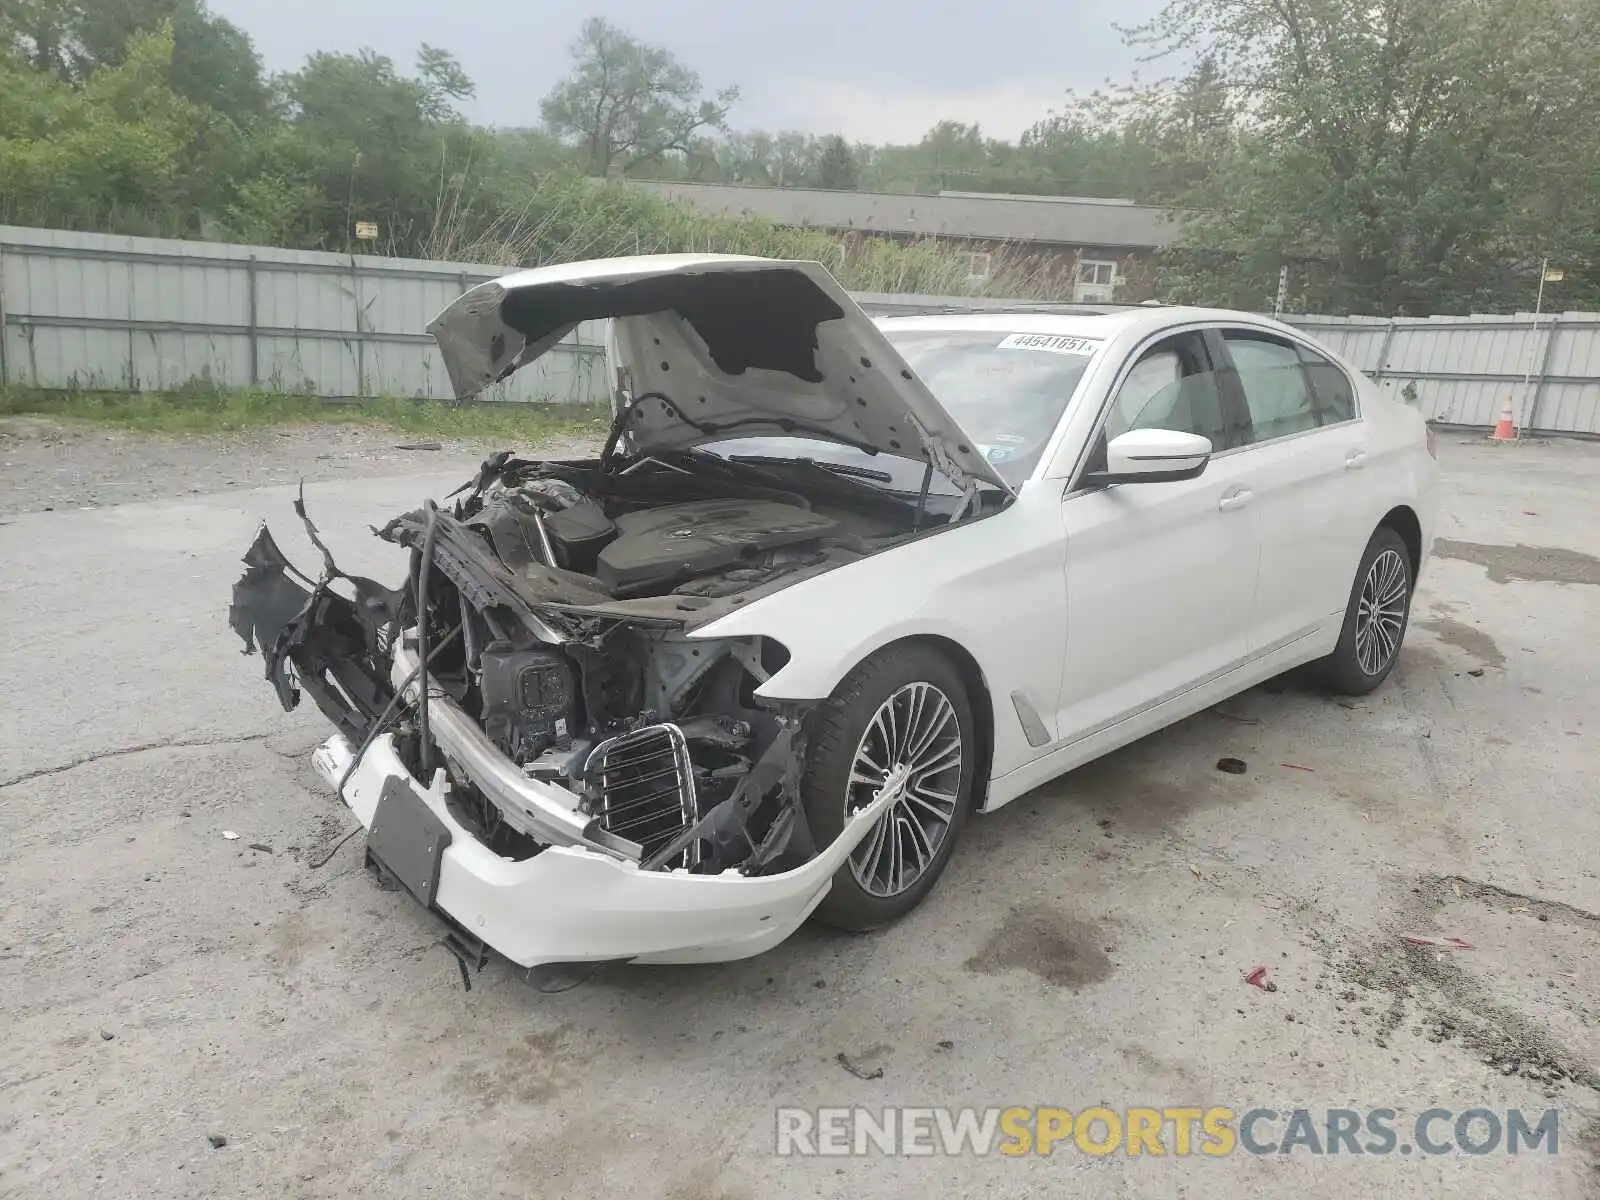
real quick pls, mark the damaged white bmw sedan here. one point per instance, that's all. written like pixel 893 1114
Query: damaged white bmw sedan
pixel 832 586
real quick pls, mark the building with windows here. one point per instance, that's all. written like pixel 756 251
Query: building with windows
pixel 1091 250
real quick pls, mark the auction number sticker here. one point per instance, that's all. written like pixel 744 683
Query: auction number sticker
pixel 1052 343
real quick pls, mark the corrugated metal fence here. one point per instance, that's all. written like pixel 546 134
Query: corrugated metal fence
pixel 1463 370
pixel 91 311
pixel 1456 370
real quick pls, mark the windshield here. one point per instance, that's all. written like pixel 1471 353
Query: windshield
pixel 1006 390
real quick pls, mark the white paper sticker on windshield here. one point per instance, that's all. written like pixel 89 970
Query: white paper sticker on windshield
pixel 1053 343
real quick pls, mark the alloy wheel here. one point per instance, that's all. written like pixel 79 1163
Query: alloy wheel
pixel 913 747
pixel 1381 612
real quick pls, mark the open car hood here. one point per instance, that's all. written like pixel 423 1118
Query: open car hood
pixel 716 347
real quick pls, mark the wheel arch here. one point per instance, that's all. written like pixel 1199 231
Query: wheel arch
pixel 1402 518
pixel 979 700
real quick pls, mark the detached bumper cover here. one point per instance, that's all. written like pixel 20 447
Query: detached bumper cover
pixel 571 904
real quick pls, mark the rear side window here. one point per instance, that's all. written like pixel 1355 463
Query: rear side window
pixel 1336 399
pixel 1288 388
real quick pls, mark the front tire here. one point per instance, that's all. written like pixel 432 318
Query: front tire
pixel 901 719
pixel 1375 620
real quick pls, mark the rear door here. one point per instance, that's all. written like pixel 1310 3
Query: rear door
pixel 1305 451
pixel 1160 576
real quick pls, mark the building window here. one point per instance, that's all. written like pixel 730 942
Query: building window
pixel 1097 272
pixel 978 266
pixel 1096 281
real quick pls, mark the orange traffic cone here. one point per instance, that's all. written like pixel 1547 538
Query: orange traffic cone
pixel 1505 430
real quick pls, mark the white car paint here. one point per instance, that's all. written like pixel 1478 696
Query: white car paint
pixel 1092 616
pixel 568 904
pixel 1116 612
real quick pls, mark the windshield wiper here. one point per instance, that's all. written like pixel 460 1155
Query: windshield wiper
pixel 835 468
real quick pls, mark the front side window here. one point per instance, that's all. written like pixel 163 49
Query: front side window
pixel 1172 386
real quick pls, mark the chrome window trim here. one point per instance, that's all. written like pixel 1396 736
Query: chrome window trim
pixel 1289 437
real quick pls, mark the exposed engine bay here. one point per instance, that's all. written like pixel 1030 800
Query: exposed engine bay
pixel 537 656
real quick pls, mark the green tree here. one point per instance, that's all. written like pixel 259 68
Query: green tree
pixel 746 157
pixel 791 157
pixel 214 63
pixel 1398 154
pixel 443 81
pixel 627 104
pixel 953 155
pixel 525 153
pixel 371 144
pixel 123 151
pixel 41 33
pixel 1095 145
pixel 836 165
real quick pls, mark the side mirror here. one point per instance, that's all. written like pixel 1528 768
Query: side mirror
pixel 1152 456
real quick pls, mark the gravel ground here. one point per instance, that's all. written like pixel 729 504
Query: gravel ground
pixel 51 467
pixel 185 1014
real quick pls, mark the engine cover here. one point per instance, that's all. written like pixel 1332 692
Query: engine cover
pixel 679 540
pixel 577 526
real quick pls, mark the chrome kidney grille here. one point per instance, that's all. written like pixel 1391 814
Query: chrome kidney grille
pixel 642 785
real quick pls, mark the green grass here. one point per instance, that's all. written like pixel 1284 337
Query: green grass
pixel 201 411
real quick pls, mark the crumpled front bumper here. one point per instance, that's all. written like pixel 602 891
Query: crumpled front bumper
pixel 570 904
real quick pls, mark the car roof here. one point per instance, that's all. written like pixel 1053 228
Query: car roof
pixel 1101 323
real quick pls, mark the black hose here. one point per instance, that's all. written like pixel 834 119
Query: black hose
pixel 387 715
pixel 425 751
pixel 619 424
pixel 613 437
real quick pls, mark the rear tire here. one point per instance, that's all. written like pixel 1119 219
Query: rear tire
pixel 903 715
pixel 1375 619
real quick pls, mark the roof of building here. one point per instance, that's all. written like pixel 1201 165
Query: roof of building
pixel 1054 220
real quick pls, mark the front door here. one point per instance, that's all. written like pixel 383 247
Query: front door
pixel 1161 577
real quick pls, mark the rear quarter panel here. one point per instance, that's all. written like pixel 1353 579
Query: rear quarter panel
pixel 1403 470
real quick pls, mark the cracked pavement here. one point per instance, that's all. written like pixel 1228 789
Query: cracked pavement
pixel 164 983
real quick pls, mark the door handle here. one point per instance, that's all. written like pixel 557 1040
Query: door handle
pixel 1355 460
pixel 1235 500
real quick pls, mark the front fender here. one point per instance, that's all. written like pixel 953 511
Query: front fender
pixel 820 658
pixel 995 587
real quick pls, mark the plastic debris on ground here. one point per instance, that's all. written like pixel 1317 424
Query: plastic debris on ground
pixel 855 1069
pixel 1256 977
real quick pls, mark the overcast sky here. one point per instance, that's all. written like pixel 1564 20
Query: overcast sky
pixel 873 72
